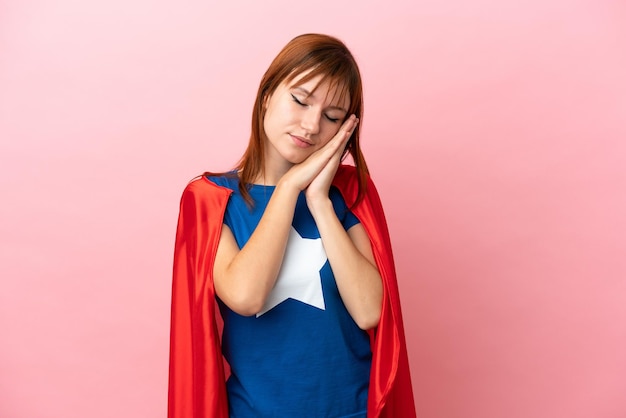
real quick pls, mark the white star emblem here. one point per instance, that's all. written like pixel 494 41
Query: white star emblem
pixel 299 276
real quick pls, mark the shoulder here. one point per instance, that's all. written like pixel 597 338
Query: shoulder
pixel 346 173
pixel 347 181
pixel 203 186
pixel 346 177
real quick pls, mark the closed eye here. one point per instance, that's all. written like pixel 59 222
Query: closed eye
pixel 295 99
pixel 331 119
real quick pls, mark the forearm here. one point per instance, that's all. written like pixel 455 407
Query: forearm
pixel 353 265
pixel 248 275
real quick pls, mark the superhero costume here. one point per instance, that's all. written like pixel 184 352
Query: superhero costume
pixel 197 373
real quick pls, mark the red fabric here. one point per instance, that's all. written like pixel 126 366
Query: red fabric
pixel 197 380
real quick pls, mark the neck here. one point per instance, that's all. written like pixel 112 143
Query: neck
pixel 271 177
pixel 272 172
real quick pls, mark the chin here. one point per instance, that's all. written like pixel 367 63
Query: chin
pixel 296 157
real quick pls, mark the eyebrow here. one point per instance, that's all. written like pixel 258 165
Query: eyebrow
pixel 309 94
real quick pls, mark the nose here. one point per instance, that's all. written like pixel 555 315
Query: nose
pixel 311 121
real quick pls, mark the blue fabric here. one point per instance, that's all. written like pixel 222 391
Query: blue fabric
pixel 296 359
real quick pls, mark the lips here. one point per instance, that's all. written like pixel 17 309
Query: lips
pixel 301 142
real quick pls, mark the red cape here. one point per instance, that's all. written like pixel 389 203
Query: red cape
pixel 197 375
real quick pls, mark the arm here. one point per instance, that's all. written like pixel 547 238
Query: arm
pixel 349 253
pixel 244 278
pixel 351 258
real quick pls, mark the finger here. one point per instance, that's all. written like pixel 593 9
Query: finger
pixel 334 147
pixel 343 135
pixel 349 130
pixel 348 126
pixel 335 159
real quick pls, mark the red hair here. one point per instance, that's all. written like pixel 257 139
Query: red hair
pixel 317 55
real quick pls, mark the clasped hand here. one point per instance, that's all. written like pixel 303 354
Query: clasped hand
pixel 315 174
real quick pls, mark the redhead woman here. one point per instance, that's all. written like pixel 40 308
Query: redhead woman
pixel 285 301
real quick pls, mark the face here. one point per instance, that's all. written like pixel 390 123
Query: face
pixel 300 118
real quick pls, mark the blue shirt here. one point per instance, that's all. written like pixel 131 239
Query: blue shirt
pixel 302 355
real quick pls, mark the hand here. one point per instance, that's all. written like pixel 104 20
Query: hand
pixel 318 189
pixel 324 160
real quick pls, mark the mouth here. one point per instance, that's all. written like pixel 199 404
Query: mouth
pixel 301 142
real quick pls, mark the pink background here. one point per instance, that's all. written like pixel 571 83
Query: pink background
pixel 495 131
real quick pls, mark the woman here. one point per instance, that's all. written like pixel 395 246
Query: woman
pixel 294 248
